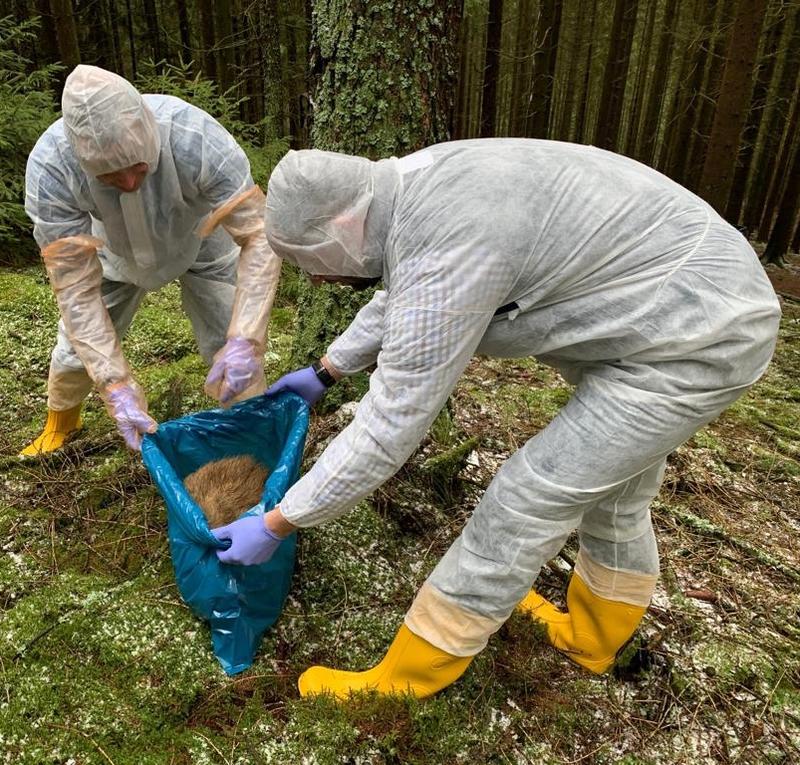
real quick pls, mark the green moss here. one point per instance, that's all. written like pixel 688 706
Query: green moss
pixel 160 331
pixel 705 439
pixel 736 666
pixel 442 470
pixel 771 405
pixel 353 568
pixel 548 401
pixel 98 667
pixel 324 313
pixel 176 389
pixel 443 430
pixel 774 465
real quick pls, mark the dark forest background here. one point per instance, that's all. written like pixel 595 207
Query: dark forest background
pixel 706 92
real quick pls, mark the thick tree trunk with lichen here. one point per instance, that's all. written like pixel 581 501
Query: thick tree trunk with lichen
pixel 385 78
pixel 385 74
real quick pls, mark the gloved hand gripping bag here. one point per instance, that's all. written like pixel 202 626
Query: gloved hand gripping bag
pixel 239 602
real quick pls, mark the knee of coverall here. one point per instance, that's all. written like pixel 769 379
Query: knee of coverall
pixel 63 355
pixel 638 555
pixel 520 515
pixel 207 294
pixel 624 515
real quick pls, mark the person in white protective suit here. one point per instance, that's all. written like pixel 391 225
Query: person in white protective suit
pixel 633 287
pixel 117 190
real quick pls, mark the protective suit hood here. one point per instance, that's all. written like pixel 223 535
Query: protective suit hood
pixel 329 214
pixel 107 122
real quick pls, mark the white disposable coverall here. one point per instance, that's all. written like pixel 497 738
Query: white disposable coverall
pixel 628 283
pixel 194 167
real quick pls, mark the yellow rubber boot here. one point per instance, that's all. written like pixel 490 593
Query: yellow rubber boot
pixel 593 630
pixel 59 426
pixel 411 665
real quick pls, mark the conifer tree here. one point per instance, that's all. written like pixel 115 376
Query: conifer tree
pixel 384 87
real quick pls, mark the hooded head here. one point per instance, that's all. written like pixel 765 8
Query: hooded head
pixel 317 208
pixel 107 122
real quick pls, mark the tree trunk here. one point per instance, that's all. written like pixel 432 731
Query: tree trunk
pixel 781 237
pixel 523 67
pixel 101 26
pixel 273 70
pixel 48 39
pixel 183 25
pixel 583 72
pixel 473 30
pixel 299 113
pixel 674 92
pixel 131 38
pixel 632 113
pixel 707 96
pixel 688 83
pixel 651 120
pixel 564 71
pixel 113 24
pixel 780 180
pixel 153 30
pixel 491 70
pixel 461 107
pixel 548 31
pixel 763 77
pixel 223 24
pixel 732 105
pixel 409 53
pixel 405 102
pixel 208 36
pixel 66 33
pixel 619 56
pixel 759 211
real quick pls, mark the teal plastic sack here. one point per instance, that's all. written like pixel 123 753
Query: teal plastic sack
pixel 239 602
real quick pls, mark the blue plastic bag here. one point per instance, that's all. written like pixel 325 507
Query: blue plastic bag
pixel 239 602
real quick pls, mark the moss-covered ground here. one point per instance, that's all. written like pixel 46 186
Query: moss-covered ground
pixel 101 662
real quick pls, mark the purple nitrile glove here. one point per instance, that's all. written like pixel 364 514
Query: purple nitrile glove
pixel 304 382
pixel 126 404
pixel 236 367
pixel 251 541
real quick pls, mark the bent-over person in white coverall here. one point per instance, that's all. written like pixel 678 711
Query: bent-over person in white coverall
pixel 633 287
pixel 117 190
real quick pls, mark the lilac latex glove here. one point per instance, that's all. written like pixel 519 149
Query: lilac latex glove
pixel 251 541
pixel 125 402
pixel 236 367
pixel 304 382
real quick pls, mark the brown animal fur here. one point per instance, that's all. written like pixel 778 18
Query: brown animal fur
pixel 225 488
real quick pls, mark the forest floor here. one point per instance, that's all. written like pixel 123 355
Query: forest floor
pixel 101 662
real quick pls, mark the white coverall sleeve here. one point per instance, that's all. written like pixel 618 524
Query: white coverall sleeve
pixel 358 346
pixel 208 157
pixel 49 201
pixel 222 176
pixel 431 330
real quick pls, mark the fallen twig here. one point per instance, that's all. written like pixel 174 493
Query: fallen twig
pixel 708 529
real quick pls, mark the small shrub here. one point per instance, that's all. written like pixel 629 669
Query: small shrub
pixel 264 152
pixel 26 111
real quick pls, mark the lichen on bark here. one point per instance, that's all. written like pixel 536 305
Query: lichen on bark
pixel 384 83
